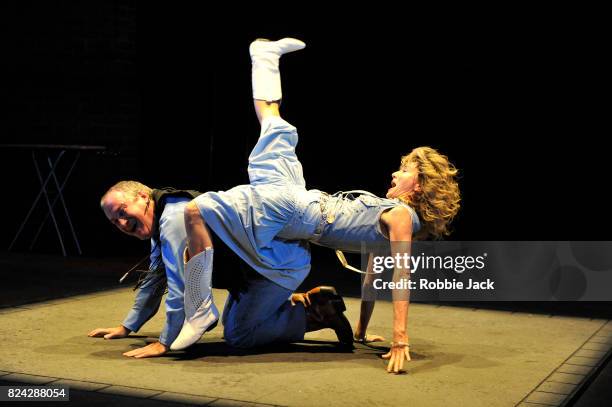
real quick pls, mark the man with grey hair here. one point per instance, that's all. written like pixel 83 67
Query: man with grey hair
pixel 264 311
pixel 156 214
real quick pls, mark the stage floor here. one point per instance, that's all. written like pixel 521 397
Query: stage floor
pixel 472 356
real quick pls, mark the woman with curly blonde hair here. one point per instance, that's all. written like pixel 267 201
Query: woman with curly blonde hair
pixel 438 199
pixel 270 222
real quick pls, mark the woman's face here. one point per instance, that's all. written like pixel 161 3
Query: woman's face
pixel 404 182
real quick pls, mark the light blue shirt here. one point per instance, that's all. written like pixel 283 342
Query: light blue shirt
pixel 173 239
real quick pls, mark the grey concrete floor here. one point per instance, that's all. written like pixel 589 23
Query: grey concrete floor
pixel 461 356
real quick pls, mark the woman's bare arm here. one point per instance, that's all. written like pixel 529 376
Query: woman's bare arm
pixel 399 224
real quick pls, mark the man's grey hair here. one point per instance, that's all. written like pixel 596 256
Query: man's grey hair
pixel 129 188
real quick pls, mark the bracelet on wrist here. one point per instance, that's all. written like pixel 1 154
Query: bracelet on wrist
pixel 399 344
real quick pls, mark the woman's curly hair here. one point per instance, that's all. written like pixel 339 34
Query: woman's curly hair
pixel 438 200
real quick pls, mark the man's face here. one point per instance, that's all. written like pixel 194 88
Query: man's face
pixel 133 217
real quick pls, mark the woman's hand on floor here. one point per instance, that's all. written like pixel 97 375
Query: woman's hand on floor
pixel 399 352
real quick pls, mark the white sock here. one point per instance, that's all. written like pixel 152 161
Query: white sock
pixel 198 281
pixel 265 75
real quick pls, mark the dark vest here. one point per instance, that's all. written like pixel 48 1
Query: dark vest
pixel 235 271
pixel 160 195
pixel 157 271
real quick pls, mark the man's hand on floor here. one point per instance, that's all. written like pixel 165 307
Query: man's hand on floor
pixel 110 333
pixel 151 350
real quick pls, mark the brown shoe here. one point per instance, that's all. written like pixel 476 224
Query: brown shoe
pixel 326 310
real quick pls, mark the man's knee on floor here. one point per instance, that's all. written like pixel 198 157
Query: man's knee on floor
pixel 238 338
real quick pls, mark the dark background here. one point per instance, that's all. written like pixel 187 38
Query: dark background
pixel 516 106
pixel 515 98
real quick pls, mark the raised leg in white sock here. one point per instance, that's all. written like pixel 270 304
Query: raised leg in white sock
pixel 265 75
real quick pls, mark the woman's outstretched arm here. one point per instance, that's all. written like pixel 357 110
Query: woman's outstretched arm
pixel 399 224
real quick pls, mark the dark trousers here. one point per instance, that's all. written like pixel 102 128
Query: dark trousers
pixel 260 314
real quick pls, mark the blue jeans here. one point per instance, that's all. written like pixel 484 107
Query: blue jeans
pixel 262 314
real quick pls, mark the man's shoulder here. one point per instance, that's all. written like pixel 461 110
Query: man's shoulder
pixel 173 213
